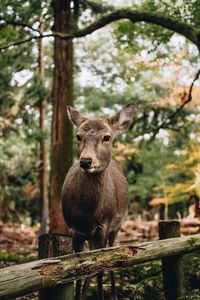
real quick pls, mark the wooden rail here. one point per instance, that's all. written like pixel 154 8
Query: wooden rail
pixel 22 279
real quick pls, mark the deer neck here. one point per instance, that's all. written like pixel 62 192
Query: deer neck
pixel 92 187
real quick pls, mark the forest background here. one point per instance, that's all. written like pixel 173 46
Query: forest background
pixel 52 55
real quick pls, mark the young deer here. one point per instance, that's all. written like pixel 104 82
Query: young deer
pixel 95 192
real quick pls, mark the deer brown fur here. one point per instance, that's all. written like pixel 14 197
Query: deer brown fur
pixel 95 192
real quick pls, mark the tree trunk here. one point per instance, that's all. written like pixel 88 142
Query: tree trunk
pixel 42 167
pixel 61 143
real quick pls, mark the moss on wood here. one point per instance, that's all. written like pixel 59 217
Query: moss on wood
pixel 144 281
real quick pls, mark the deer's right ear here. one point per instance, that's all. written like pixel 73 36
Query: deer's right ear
pixel 75 116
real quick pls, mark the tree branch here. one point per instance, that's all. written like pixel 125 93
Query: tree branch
pixel 135 16
pixel 17 43
pixel 187 100
pixel 14 23
pixel 168 121
pixel 141 16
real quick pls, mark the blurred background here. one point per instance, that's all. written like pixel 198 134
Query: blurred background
pixel 122 63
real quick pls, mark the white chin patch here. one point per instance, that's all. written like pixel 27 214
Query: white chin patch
pixel 91 170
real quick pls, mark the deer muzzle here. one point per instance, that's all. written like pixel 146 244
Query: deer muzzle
pixel 85 163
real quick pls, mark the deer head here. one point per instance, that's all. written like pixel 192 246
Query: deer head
pixel 95 137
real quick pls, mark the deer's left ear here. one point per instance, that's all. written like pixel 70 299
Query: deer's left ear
pixel 122 120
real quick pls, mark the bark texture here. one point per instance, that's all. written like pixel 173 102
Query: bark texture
pixel 61 144
pixel 42 167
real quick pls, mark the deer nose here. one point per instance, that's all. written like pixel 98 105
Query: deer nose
pixel 85 163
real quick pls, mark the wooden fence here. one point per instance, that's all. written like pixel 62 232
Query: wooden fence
pixel 58 271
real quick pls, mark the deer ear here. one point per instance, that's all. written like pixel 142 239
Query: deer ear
pixel 75 116
pixel 122 120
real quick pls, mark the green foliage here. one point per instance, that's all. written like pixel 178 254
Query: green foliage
pixel 192 241
pixel 98 7
pixel 21 93
pixel 19 171
pixel 129 37
pixel 137 273
pixel 134 37
pixel 17 258
pixel 36 92
pixel 190 296
pixel 191 263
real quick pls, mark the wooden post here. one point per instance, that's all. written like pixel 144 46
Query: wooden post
pixel 52 245
pixel 173 276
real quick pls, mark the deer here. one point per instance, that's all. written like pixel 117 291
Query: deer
pixel 95 190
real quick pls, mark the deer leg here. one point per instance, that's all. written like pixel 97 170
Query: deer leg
pixel 85 288
pixel 87 280
pixel 100 286
pixel 78 245
pixel 100 241
pixel 113 287
pixel 112 237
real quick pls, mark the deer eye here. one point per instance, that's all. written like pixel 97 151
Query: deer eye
pixel 79 138
pixel 106 138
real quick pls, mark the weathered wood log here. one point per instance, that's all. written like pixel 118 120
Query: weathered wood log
pixel 29 277
pixel 190 222
pixel 172 268
pixel 52 245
